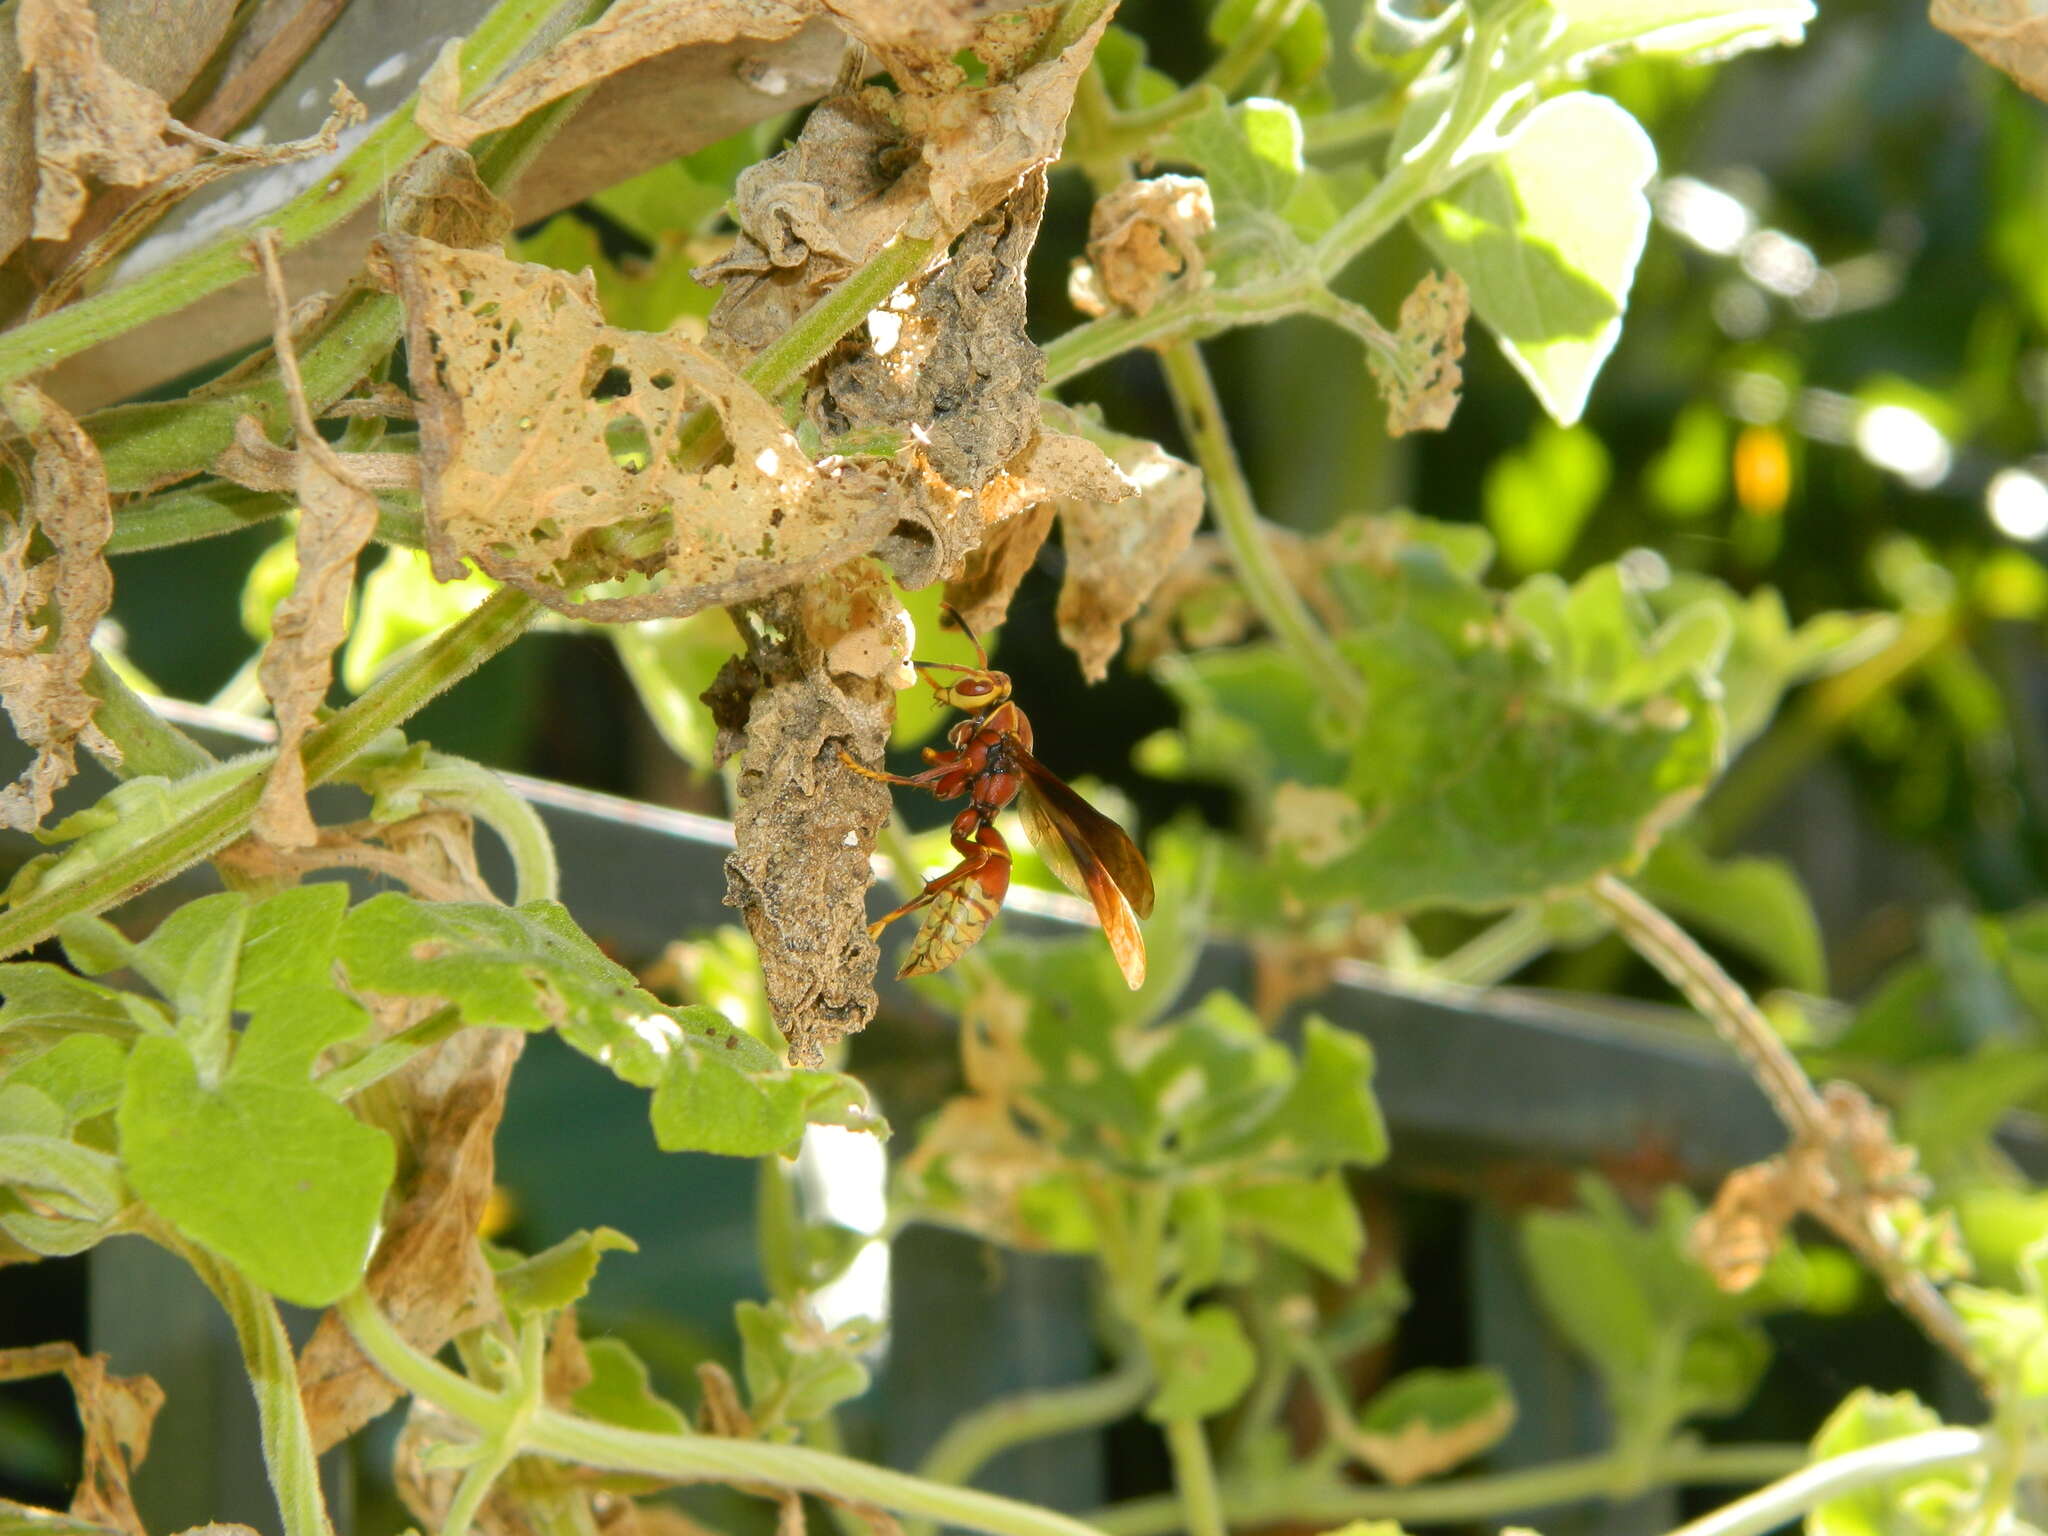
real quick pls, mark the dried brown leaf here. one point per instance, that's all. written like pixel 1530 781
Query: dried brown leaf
pixel 1118 551
pixel 1736 1237
pixel 115 1412
pixel 337 516
pixel 49 606
pixel 919 41
pixel 442 198
pixel 1141 237
pixel 804 829
pixel 627 33
pixel 2011 35
pixel 432 853
pixel 982 591
pixel 428 1275
pixel 90 119
pixel 525 394
pixel 1422 389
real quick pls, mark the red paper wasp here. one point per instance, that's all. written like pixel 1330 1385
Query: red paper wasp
pixel 990 761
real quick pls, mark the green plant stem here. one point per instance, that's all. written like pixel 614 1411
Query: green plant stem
pixel 1432 166
pixel 218 507
pixel 498 39
pixel 527 1394
pixel 1194 1479
pixel 977 1438
pixel 1230 497
pixel 288 1452
pixel 1356 124
pixel 1131 132
pixel 1325 1501
pixel 150 745
pixel 1088 346
pixel 1497 951
pixel 386 1057
pixel 1739 1022
pixel 691 1457
pixel 1872 1466
pixel 396 697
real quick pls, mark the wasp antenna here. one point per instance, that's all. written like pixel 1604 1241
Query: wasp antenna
pixel 967 629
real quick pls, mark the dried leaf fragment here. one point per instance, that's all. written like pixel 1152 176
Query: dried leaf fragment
pixel 1118 550
pixel 90 119
pixel 1141 237
pixel 627 33
pixel 337 516
pixel 49 606
pixel 541 427
pixel 115 1412
pixel 428 1276
pixel 2011 35
pixel 1421 388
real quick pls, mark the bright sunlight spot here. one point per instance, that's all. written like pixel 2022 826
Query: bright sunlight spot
pixel 1710 218
pixel 861 1290
pixel 2018 504
pixel 844 1175
pixel 1906 443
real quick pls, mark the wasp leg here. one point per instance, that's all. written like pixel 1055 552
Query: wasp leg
pixel 923 780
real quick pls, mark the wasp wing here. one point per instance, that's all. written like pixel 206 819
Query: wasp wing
pixel 1093 857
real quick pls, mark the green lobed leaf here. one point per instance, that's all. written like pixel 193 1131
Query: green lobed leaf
pixel 80 1074
pixel 262 1169
pixel 709 1100
pixel 1204 1362
pixel 558 1276
pixel 1249 152
pixel 1314 1219
pixel 77 1193
pixel 1755 903
pixel 1919 1504
pixel 1537 498
pixel 1330 1114
pixel 1594 31
pixel 1430 1420
pixel 620 1392
pixel 795 1370
pixel 1547 235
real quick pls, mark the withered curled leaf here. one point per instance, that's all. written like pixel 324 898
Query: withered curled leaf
pixel 627 33
pixel 49 606
pixel 2011 35
pixel 1119 550
pixel 90 119
pixel 541 426
pixel 1422 391
pixel 428 1275
pixel 116 1413
pixel 337 516
pixel 1142 236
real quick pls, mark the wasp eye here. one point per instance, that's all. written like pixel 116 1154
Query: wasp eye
pixel 974 687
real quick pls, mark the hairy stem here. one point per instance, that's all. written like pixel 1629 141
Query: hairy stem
pixel 693 1457
pixel 150 745
pixel 1230 496
pixel 1324 1501
pixel 1738 1021
pixel 288 1452
pixel 979 1437
pixel 1194 1479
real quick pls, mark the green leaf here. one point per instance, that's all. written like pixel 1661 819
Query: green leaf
pixel 1250 152
pixel 795 1370
pixel 559 1276
pixel 620 1392
pixel 2008 1333
pixel 1689 478
pixel 46 1002
pixel 1756 904
pixel 1547 236
pixel 1538 498
pixel 1429 1421
pixel 266 1171
pixel 1598 30
pixel 130 813
pixel 1314 1219
pixel 402 604
pixel 77 1193
pixel 1330 1114
pixel 81 1075
pixel 1918 1504
pixel 191 959
pixel 709 1100
pixel 1302 48
pixel 1204 1363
